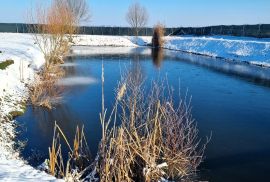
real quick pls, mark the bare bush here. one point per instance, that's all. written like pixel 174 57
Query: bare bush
pixel 137 17
pixel 158 34
pixel 49 31
pixel 52 31
pixel 44 91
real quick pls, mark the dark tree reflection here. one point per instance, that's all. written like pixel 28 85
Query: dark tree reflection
pixel 157 56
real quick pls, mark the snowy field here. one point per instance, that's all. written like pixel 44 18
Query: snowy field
pixel 28 59
pixel 251 50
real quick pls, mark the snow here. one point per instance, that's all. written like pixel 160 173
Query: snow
pixel 252 50
pixel 98 40
pixel 28 59
pixel 95 50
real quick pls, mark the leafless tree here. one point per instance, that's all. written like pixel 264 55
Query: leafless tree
pixel 137 17
pixel 79 9
pixel 50 30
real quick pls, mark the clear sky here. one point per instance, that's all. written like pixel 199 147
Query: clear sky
pixel 172 13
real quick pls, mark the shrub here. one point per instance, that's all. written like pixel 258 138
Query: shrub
pixel 158 34
pixel 53 24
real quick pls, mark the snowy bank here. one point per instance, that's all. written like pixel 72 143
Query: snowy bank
pixel 251 50
pixel 115 41
pixel 13 93
pixel 245 49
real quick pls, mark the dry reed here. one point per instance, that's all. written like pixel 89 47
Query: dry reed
pixel 78 157
pixel 158 34
pixel 44 91
pixel 154 141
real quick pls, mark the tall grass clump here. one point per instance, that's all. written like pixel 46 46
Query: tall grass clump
pixel 158 34
pixel 156 139
pixel 78 155
pixel 147 136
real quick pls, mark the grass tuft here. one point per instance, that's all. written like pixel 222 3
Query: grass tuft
pixel 15 114
pixel 45 92
pixel 5 64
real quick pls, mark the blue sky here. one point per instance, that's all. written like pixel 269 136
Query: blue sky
pixel 170 12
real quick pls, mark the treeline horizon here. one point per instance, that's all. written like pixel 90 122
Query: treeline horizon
pixel 255 30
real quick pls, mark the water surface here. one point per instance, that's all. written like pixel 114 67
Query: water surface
pixel 231 100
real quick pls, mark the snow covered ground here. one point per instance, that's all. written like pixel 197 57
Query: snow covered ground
pixel 13 92
pixel 251 50
pixel 28 59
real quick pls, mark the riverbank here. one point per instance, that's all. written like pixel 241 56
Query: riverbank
pixel 14 78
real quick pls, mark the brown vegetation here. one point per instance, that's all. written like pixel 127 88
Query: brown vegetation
pixel 53 33
pixel 45 92
pixel 155 140
pixel 79 155
pixel 49 32
pixel 158 34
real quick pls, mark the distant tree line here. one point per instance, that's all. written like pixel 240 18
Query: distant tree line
pixel 260 30
pixel 93 30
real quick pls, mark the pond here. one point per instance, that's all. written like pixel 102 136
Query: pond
pixel 230 100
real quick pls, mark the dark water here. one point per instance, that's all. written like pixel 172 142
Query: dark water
pixel 231 100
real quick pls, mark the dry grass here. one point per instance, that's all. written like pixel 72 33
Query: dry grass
pixel 45 92
pixel 55 164
pixel 79 155
pixel 155 140
pixel 158 34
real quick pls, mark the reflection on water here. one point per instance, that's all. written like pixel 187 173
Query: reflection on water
pixel 76 81
pixel 231 100
pixel 157 56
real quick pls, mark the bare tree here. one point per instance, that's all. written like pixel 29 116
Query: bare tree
pixel 79 9
pixel 51 24
pixel 137 17
pixel 50 30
